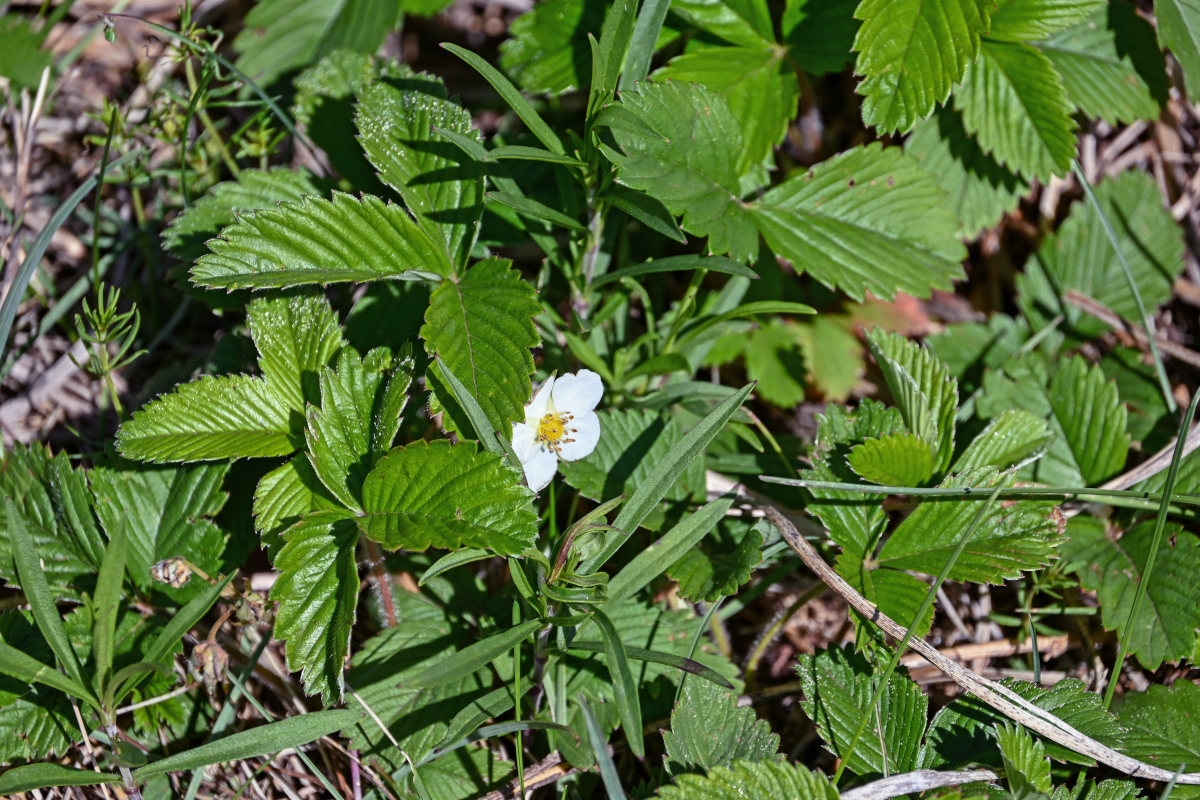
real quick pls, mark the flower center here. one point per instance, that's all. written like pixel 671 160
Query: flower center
pixel 552 431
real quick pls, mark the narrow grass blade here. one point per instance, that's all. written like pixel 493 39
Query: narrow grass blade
pixel 641 45
pixel 658 657
pixel 16 291
pixel 37 592
pixel 1159 526
pixel 532 208
pixel 487 732
pixel 472 657
pixel 470 406
pixel 675 263
pixel 25 667
pixel 655 559
pixel 608 770
pixel 520 106
pixel 625 693
pixel 107 603
pixel 452 560
pixel 46 776
pixel 664 475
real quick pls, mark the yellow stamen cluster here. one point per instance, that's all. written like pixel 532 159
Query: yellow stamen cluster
pixel 552 431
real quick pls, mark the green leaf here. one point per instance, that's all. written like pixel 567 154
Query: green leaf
pixel 895 593
pixel 285 494
pixel 281 35
pixel 720 264
pixel 1111 65
pixel 964 731
pixel 1014 437
pixel 740 22
pixel 220 206
pixel 1165 628
pixel 833 355
pixel 46 776
pixel 24 667
pixel 23 59
pixel 867 220
pixel 234 416
pixel 681 144
pixel 317 591
pixel 721 563
pixel 321 241
pixel 651 213
pixel 923 389
pixel 532 208
pixel 910 53
pixel 978 190
pixel 1014 536
pixel 1092 418
pixel 625 692
pixel 752 780
pixel 1026 767
pixel 1163 725
pixel 435 494
pixel 106 604
pixel 837 685
pixel 899 459
pixel 709 729
pixel 1014 102
pixel 547 49
pixel 54 503
pixel 262 740
pixel 473 657
pixel 296 335
pixel 165 513
pixel 1029 20
pixel 481 328
pixel 441 185
pixel 1079 255
pixel 1179 30
pixel 820 34
pixel 632 443
pixel 773 360
pixel 758 85
pixel 361 406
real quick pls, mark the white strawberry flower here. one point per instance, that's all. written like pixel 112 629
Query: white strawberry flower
pixel 560 423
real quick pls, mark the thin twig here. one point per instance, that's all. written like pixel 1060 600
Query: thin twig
pixel 921 780
pixel 1106 315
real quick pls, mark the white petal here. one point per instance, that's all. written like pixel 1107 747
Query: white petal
pixel 541 399
pixel 578 393
pixel 586 432
pixel 524 440
pixel 539 468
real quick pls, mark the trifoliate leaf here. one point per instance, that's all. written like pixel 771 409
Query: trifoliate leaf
pixel 721 563
pixel 316 592
pixel 1111 789
pixel 969 348
pixel 1015 535
pixel 709 729
pixel 164 512
pixel 1011 438
pixel 1163 725
pixel 867 220
pixel 899 459
pixel 1169 613
pixel 219 207
pixel 1026 767
pixel 547 48
pixel 1029 20
pixel 752 780
pixel 925 393
pixel 361 404
pixel 1110 65
pixel 978 190
pixel 441 185
pixel 47 491
pixel 1079 256
pixel 435 494
pixel 321 241
pixel 1179 30
pixel 964 731
pixel 820 34
pixel 1092 418
pixel 282 35
pixel 773 360
pixel 837 685
pixel 833 356
pixel 740 22
pixel 481 328
pixel 910 53
pixel 285 494
pixel 758 85
pixel 233 416
pixel 296 335
pixel 681 144
pixel 1016 106
pixel 631 443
